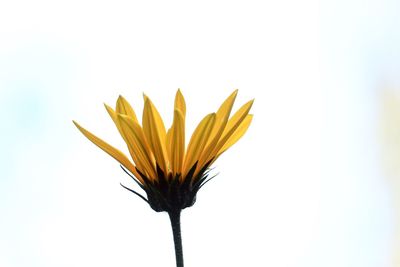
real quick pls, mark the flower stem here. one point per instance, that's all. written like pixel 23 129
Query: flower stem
pixel 175 217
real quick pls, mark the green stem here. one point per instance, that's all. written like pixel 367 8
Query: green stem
pixel 175 217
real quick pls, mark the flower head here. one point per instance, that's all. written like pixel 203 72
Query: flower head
pixel 169 172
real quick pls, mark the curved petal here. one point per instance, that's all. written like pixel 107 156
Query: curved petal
pixel 198 141
pixel 113 152
pixel 154 130
pixel 137 143
pixel 239 132
pixel 114 117
pixel 177 142
pixel 123 107
pixel 231 127
pixel 112 114
pixel 180 103
pixel 168 143
pixel 222 117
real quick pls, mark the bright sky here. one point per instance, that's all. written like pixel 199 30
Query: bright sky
pixel 304 187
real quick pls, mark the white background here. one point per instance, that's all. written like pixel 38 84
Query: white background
pixel 304 187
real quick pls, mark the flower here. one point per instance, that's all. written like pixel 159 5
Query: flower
pixel 162 166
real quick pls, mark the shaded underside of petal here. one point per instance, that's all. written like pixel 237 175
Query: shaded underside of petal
pixel 137 142
pixel 113 152
pixel 154 130
pixel 198 141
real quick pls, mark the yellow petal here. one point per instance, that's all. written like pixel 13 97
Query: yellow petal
pixel 154 130
pixel 232 125
pixel 177 142
pixel 123 107
pixel 240 131
pixel 112 113
pixel 113 152
pixel 180 103
pixel 169 142
pixel 222 117
pixel 137 142
pixel 198 141
pixel 114 117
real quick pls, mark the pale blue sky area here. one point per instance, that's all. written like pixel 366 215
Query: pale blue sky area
pixel 360 56
pixel 34 100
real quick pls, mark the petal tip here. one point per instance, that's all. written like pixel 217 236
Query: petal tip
pixel 76 124
pixel 147 102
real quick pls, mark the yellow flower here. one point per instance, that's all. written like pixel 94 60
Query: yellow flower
pixel 169 172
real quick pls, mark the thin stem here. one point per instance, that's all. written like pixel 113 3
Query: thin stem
pixel 175 217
